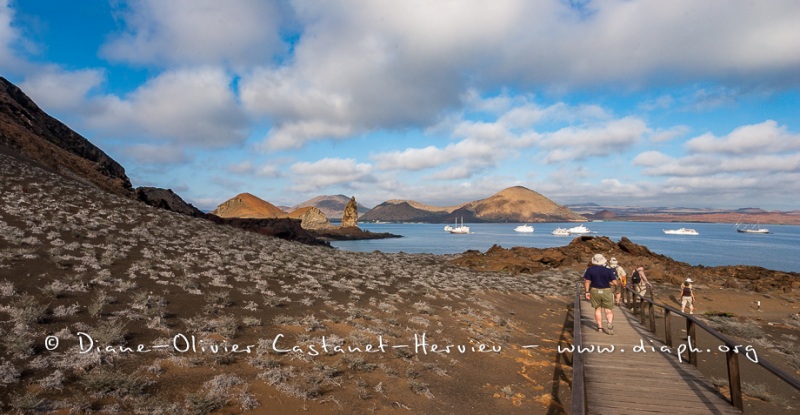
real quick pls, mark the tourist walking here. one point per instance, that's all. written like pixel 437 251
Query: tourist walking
pixel 622 277
pixel 597 283
pixel 687 296
pixel 639 281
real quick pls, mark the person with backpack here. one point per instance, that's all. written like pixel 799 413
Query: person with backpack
pixel 597 283
pixel 622 277
pixel 639 281
pixel 687 296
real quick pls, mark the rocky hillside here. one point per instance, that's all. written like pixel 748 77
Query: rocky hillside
pixel 75 259
pixel 167 199
pixel 515 204
pixel 26 129
pixel 331 206
pixel 247 206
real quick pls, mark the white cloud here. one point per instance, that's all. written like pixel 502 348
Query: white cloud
pixel 753 165
pixel 669 134
pixel 60 90
pixel 180 32
pixel 191 107
pixel 358 67
pixel 329 171
pixel 156 154
pixel 269 171
pixel 766 137
pixel 412 158
pixel 7 33
pixel 581 143
pixel 244 167
pixel 652 158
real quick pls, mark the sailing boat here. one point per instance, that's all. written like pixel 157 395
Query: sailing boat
pixel 751 229
pixel 460 229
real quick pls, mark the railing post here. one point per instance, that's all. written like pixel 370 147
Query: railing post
pixel 667 328
pixel 734 380
pixel 578 381
pixel 690 335
pixel 641 310
pixel 652 317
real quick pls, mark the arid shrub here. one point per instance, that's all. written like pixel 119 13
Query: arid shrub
pixel 103 381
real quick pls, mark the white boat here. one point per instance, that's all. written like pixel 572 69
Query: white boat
pixel 578 230
pixel 448 228
pixel 750 229
pixel 681 231
pixel 524 228
pixel 561 232
pixel 753 230
pixel 460 229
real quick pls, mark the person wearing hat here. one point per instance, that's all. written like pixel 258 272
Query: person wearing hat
pixel 597 283
pixel 621 277
pixel 687 296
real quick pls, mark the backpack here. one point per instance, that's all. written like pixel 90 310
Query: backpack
pixel 635 278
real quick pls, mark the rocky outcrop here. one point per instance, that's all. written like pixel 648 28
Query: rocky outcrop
pixel 31 132
pixel 310 218
pixel 350 215
pixel 166 199
pixel 659 268
pixel 283 228
pixel 331 205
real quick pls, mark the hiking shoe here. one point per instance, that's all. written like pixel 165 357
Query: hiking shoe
pixel 599 329
pixel 610 329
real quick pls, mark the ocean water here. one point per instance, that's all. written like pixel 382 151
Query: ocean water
pixel 717 243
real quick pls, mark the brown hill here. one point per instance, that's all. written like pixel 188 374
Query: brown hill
pixel 515 204
pixel 29 131
pixel 406 211
pixel 247 206
pixel 520 204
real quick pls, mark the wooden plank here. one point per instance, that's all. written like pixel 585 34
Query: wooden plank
pixel 673 409
pixel 651 382
pixel 668 394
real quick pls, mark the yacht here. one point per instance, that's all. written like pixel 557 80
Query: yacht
pixel 681 231
pixel 754 229
pixel 524 228
pixel 459 229
pixel 578 230
pixel 561 232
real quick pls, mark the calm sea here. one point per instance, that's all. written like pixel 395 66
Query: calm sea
pixel 717 244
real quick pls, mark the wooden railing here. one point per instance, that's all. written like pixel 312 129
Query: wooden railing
pixel 578 380
pixel 645 309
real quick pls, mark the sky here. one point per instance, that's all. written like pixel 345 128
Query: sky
pixel 678 103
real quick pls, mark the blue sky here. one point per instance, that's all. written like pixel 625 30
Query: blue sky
pixel 619 102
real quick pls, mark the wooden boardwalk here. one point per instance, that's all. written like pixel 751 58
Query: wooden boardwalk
pixel 637 382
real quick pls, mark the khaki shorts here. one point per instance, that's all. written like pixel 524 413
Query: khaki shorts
pixel 602 297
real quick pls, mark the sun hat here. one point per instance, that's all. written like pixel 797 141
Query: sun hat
pixel 598 259
pixel 613 261
pixel 689 280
